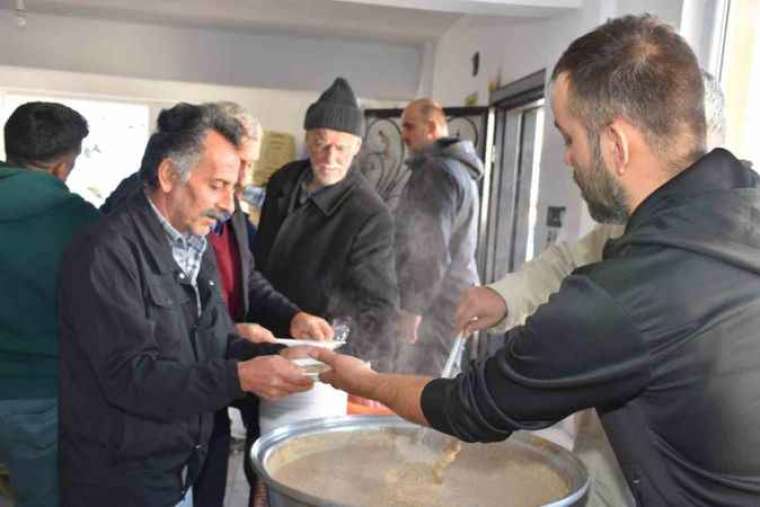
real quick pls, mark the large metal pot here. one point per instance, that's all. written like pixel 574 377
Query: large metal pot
pixel 272 446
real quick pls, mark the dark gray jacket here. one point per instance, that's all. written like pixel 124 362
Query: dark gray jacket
pixel 662 337
pixel 260 301
pixel 436 227
pixel 141 373
pixel 332 255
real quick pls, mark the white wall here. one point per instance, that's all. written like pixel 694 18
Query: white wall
pixel 279 110
pixel 162 52
pixel 276 77
pixel 702 24
pixel 515 49
pixel 667 10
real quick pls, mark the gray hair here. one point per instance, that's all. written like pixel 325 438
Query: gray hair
pixel 185 159
pixel 180 136
pixel 251 124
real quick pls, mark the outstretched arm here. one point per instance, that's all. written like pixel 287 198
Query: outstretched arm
pixel 508 302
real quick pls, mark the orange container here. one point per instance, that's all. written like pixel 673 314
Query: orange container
pixel 363 406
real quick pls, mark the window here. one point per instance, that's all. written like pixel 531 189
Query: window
pixel 113 149
pixel 740 77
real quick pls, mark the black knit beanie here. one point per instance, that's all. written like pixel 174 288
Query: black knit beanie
pixel 336 109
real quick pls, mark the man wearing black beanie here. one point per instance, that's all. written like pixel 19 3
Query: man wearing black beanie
pixel 325 238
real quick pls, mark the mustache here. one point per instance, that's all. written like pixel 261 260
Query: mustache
pixel 218 215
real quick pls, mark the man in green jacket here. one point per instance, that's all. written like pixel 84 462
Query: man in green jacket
pixel 38 217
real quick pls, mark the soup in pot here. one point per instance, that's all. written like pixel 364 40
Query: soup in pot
pixel 391 468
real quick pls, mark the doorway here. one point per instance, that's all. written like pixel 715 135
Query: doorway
pixel 511 198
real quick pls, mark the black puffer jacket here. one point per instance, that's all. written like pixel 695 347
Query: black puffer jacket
pixel 141 372
pixel 662 337
pixel 332 256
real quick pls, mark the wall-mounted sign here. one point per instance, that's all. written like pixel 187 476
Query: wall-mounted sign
pixel 277 149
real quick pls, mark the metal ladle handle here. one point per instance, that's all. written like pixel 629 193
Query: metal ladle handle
pixel 456 351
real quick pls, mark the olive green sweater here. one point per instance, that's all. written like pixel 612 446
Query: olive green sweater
pixel 38 217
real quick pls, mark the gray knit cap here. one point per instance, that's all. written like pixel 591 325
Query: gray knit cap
pixel 336 109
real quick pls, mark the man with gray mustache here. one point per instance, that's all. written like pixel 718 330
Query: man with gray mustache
pixel 148 348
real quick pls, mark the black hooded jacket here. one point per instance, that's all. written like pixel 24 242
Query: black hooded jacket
pixel 662 337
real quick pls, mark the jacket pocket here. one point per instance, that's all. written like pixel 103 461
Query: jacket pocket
pixel 166 309
pixel 138 438
pixel 164 296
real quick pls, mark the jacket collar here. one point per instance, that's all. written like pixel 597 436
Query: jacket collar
pixel 328 199
pixel 715 171
pixel 237 223
pixel 151 233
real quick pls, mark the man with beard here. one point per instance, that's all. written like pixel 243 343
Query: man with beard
pixel 508 302
pixel 325 238
pixel 664 329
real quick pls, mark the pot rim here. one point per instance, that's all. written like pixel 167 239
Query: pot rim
pixel 270 442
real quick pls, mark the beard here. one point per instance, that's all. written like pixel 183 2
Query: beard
pixel 605 197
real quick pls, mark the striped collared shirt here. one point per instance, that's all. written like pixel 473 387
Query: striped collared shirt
pixel 187 250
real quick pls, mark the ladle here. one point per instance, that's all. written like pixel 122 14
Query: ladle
pixel 426 437
pixel 423 437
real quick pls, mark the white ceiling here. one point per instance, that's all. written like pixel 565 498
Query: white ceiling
pixel 398 21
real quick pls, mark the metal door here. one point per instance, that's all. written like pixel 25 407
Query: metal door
pixel 513 189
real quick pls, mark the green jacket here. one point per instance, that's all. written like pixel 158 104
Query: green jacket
pixel 38 217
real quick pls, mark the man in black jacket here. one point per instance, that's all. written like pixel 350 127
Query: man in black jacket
pixel 148 349
pixel 325 238
pixel 436 235
pixel 249 298
pixel 661 336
